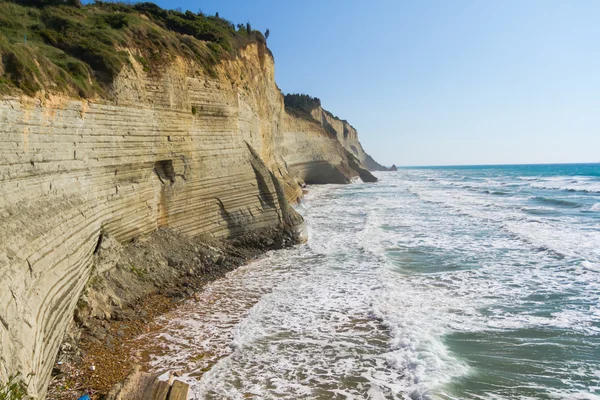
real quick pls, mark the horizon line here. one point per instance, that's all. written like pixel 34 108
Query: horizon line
pixel 493 165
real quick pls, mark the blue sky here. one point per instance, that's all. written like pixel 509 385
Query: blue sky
pixel 442 82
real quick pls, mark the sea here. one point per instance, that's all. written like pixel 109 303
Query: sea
pixel 474 282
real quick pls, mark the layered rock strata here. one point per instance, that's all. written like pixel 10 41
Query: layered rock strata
pixel 202 155
pixel 347 135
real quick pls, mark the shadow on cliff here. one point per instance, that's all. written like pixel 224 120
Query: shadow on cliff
pixel 272 194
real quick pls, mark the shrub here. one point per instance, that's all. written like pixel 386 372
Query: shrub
pixel 42 3
pixel 117 20
pixel 73 48
pixel 301 104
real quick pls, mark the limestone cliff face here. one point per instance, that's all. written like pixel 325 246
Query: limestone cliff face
pixel 200 154
pixel 347 136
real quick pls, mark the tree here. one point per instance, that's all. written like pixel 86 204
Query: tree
pixel 217 14
pixel 267 32
pixel 248 27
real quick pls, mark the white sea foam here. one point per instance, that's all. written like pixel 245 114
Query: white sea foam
pixel 363 310
pixel 567 183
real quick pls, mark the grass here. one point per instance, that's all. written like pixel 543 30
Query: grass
pixel 139 272
pixel 12 389
pixel 81 49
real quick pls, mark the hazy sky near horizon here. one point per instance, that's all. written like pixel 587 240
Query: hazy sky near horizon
pixel 442 82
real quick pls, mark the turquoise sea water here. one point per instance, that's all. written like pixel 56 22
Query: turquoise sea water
pixel 519 247
pixel 434 283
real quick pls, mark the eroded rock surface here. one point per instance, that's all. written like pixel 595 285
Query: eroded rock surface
pixel 201 155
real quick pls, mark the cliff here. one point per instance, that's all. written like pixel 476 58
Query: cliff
pixel 309 108
pixel 347 136
pixel 202 152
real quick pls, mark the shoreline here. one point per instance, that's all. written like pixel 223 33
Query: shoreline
pixel 99 350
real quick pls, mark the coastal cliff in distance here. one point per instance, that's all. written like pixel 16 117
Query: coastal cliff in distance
pixel 121 150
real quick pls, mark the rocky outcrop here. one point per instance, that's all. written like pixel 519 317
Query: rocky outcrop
pixel 201 155
pixel 141 385
pixel 131 284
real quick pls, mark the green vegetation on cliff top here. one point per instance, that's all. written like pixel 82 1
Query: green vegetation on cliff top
pixel 302 106
pixel 81 49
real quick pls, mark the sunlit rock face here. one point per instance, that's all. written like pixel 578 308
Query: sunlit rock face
pixel 200 154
